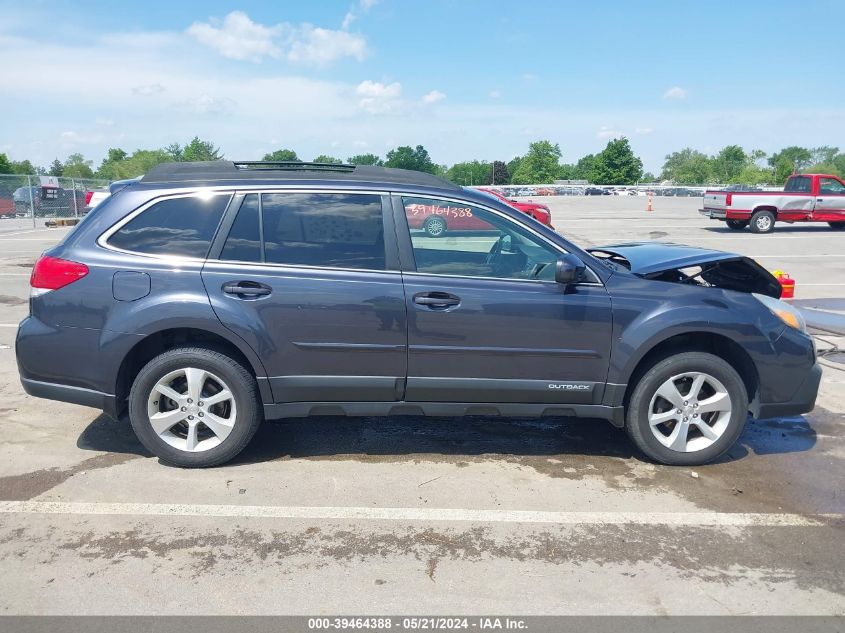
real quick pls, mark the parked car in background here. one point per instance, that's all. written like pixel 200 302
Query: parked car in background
pixel 49 201
pixel 805 198
pixel 596 191
pixel 536 210
pixel 205 298
pixel 93 197
pixel 25 198
pixel 7 206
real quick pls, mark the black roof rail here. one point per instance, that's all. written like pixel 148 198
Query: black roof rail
pixel 226 170
pixel 292 165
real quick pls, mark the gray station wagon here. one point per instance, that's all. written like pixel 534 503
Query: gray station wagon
pixel 204 298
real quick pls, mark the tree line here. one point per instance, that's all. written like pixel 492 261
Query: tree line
pixel 616 164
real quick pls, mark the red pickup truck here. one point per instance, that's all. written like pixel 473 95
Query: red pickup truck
pixel 805 198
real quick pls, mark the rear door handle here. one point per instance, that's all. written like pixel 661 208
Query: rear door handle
pixel 436 300
pixel 246 289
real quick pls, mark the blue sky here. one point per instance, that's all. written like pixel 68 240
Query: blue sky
pixel 467 79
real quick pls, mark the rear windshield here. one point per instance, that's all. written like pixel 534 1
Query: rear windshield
pixel 799 184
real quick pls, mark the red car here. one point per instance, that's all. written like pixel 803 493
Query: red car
pixel 7 207
pixel 539 212
pixel 433 219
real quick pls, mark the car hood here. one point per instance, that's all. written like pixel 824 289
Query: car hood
pixel 672 262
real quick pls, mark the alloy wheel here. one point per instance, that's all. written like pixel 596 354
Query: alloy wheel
pixel 689 412
pixel 192 409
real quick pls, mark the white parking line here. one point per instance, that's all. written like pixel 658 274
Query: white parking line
pixel 9 324
pixel 28 231
pixel 694 519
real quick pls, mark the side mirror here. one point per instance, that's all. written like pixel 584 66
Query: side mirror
pixel 569 270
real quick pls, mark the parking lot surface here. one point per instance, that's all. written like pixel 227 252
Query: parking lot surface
pixel 419 516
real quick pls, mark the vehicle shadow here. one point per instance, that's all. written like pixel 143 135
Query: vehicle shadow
pixel 810 229
pixel 405 436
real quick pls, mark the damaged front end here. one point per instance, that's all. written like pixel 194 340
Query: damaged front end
pixel 676 263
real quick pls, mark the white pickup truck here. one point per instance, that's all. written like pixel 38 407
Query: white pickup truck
pixel 805 198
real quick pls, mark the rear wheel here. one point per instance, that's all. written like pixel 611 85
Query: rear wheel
pixel 194 407
pixel 687 409
pixel 837 225
pixel 736 225
pixel 762 222
pixel 435 226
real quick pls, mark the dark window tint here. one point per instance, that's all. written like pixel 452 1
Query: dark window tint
pixel 321 229
pixel 244 241
pixel 179 226
pixel 831 186
pixel 799 184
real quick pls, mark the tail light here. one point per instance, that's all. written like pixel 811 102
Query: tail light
pixel 88 196
pixel 52 273
pixel 728 199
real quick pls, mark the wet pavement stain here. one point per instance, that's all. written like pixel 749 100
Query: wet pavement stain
pixel 29 485
pixel 12 300
pixel 709 554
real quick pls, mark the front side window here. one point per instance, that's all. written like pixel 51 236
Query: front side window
pixel 450 238
pixel 177 226
pixel 831 186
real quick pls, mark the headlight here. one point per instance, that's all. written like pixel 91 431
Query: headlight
pixel 785 312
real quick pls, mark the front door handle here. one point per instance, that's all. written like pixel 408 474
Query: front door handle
pixel 436 300
pixel 246 289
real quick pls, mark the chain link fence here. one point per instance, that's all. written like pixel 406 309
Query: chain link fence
pixel 36 201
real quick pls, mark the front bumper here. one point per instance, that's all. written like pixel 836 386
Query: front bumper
pixel 802 401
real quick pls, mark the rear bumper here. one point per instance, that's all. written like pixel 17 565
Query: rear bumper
pixel 713 214
pixel 73 395
pixel 803 400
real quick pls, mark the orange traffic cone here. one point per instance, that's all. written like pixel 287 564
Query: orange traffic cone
pixel 649 203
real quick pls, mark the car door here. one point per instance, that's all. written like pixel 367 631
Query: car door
pixel 486 320
pixel 830 201
pixel 305 278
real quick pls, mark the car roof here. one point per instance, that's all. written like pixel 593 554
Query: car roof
pixel 284 171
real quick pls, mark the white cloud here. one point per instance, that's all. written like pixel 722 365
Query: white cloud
pixel 644 130
pixel 320 46
pixel 72 138
pixel 495 94
pixel 239 37
pixel 352 14
pixel 366 5
pixel 206 104
pixel 378 98
pixel 348 19
pixel 433 97
pixel 675 92
pixel 104 122
pixel 148 90
pixel 606 132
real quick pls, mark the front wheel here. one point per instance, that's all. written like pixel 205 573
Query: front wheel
pixel 762 222
pixel 688 409
pixel 736 225
pixel 837 226
pixel 194 407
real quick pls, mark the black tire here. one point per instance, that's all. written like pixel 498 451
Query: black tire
pixel 736 225
pixel 837 226
pixel 435 226
pixel 762 222
pixel 240 382
pixel 637 414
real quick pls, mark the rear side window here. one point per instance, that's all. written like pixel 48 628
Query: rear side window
pixel 799 184
pixel 243 243
pixel 177 226
pixel 323 229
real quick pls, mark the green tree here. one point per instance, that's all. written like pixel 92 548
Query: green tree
pixel 365 159
pixel 688 167
pixel 323 158
pixel 282 155
pixel 788 161
pixel 77 167
pixel 616 164
pixel 198 150
pixel 139 163
pixel 106 169
pixel 540 165
pixel 648 177
pixel 471 173
pixel 23 167
pixel 513 165
pixel 56 168
pixel 501 175
pixel 406 157
pixel 5 164
pixel 729 163
pixel 584 168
